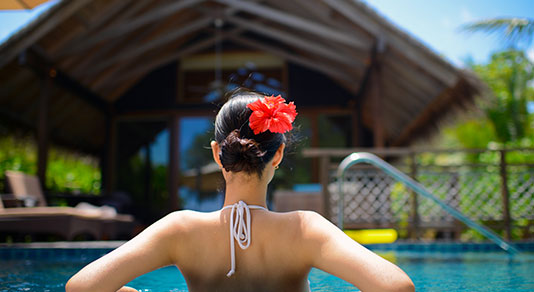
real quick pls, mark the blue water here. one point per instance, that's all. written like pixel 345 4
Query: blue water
pixel 430 271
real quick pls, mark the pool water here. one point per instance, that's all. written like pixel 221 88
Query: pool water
pixel 429 270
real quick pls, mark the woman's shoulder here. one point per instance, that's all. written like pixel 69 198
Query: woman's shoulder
pixel 302 223
pixel 302 217
pixel 186 219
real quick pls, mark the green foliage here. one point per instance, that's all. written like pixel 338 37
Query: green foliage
pixel 67 172
pixel 16 154
pixel 72 173
pixel 508 75
pixel 475 133
pixel 504 120
pixel 501 121
pixel 511 30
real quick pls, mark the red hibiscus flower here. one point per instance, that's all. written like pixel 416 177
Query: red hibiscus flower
pixel 273 114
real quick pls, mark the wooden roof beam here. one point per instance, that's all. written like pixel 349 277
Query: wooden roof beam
pixel 109 51
pixel 120 89
pixel 303 43
pixel 191 49
pixel 431 111
pixel 438 68
pixel 109 13
pixel 128 26
pixel 161 41
pixel 36 60
pixel 57 15
pixel 327 70
pixel 122 7
pixel 113 91
pixel 323 14
pixel 143 35
pixel 90 56
pixel 298 23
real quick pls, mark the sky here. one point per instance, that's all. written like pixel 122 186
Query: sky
pixel 438 24
pixel 13 20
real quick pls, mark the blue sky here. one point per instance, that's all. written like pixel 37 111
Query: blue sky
pixel 12 20
pixel 437 23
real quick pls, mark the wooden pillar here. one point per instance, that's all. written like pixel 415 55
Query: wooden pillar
pixel 42 128
pixel 148 176
pixel 324 179
pixel 414 206
pixel 315 144
pixel 356 132
pixel 110 161
pixel 180 83
pixel 174 162
pixel 378 117
pixel 285 78
pixel 505 195
pixel 379 135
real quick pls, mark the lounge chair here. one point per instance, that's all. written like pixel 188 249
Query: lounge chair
pixel 67 222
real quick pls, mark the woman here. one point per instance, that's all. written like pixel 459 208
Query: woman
pixel 274 251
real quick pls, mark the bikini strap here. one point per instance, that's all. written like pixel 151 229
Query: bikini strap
pixel 239 228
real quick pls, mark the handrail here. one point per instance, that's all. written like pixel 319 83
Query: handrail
pixel 363 157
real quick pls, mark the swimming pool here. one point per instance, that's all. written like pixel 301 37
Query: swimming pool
pixel 432 267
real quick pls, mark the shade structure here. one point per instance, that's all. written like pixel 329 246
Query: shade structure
pixel 98 52
pixel 20 4
pixel 105 62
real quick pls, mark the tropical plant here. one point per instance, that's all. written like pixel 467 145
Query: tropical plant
pixel 509 75
pixel 68 172
pixel 514 31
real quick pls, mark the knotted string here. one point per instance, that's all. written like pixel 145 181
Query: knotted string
pixel 239 228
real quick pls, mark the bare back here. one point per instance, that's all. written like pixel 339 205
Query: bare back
pixel 284 247
pixel 273 262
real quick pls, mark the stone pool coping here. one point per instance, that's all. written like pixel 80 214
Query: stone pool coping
pixel 397 246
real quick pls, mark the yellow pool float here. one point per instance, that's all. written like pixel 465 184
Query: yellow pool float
pixel 370 236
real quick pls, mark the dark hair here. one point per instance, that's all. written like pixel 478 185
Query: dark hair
pixel 241 149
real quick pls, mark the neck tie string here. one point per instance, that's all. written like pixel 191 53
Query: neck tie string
pixel 239 228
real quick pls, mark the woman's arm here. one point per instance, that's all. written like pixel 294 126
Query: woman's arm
pixel 149 250
pixel 332 251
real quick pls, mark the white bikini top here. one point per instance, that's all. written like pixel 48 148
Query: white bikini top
pixel 239 228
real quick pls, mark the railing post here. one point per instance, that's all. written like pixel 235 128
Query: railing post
pixel 505 195
pixel 414 215
pixel 324 179
pixel 453 196
pixel 43 130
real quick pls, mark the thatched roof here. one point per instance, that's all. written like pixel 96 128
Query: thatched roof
pixel 105 56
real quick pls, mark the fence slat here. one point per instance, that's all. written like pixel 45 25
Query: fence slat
pixel 414 215
pixel 505 196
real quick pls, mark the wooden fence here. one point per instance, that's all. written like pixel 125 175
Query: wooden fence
pixel 497 190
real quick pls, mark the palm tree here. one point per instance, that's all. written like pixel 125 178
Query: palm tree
pixel 511 72
pixel 512 30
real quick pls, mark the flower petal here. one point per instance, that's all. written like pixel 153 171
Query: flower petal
pixel 271 113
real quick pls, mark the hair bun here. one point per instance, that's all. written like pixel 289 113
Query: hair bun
pixel 240 154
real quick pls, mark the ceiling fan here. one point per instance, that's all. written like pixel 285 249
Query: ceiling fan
pixel 216 88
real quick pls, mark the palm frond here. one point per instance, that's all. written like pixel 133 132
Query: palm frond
pixel 512 30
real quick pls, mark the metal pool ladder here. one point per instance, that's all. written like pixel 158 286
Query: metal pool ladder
pixel 364 157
